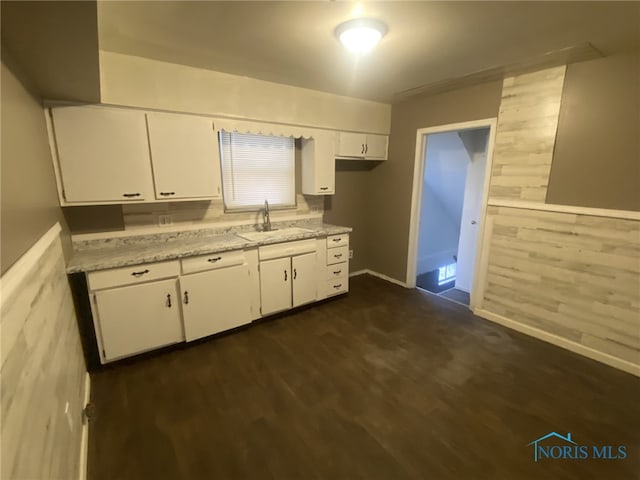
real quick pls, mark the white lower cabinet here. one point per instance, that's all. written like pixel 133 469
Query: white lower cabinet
pixel 214 301
pixel 275 285
pixel 304 289
pixel 138 318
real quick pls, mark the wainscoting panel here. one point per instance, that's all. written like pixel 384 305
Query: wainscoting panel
pixel 571 275
pixel 526 133
pixel 42 368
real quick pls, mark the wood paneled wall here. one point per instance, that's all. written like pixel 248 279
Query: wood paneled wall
pixel 526 133
pixel 42 369
pixel 574 276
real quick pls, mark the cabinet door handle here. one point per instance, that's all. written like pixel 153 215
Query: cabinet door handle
pixel 285 275
pixel 362 151
pixel 366 148
pixel 167 194
pixel 169 300
pixel 295 273
pixel 131 195
pixel 324 188
pixel 214 260
pixel 139 274
pixel 338 272
pixel 186 298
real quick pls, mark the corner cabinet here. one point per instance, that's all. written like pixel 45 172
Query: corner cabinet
pixel 108 155
pixel 103 155
pixel 318 164
pixel 361 146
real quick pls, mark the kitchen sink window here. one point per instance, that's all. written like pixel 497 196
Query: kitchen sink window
pixel 256 168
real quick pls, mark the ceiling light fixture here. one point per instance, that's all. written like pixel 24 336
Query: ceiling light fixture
pixel 360 35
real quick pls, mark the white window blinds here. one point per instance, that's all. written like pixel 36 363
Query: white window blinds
pixel 256 168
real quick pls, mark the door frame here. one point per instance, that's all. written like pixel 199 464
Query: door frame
pixel 416 195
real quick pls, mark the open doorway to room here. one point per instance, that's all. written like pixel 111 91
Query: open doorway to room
pixel 452 173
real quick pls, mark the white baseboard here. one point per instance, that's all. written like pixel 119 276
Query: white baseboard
pixel 379 275
pixel 575 347
pixel 84 442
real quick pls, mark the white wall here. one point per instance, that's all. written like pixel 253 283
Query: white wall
pixel 442 200
pixel 147 83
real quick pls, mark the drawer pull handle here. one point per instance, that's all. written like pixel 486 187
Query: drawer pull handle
pixel 186 298
pixel 166 194
pixel 337 255
pixel 168 300
pixel 131 195
pixel 324 188
pixel 337 286
pixel 139 274
pixel 336 240
pixel 214 260
pixel 337 272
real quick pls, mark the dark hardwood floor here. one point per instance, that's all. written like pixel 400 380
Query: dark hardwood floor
pixel 385 383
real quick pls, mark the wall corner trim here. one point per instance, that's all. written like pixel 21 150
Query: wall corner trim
pixel 12 277
pixel 84 443
pixel 574 347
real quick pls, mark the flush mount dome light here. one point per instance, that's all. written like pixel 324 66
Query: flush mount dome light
pixel 360 35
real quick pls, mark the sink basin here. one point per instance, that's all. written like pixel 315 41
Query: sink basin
pixel 272 234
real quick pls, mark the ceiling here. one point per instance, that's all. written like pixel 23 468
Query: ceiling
pixel 427 42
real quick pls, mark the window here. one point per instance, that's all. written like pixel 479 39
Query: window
pixel 446 274
pixel 256 168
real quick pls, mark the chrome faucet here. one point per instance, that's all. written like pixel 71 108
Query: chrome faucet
pixel 266 223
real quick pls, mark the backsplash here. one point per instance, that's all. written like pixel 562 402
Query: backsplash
pixel 208 212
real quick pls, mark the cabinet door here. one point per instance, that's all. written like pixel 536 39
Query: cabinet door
pixel 304 278
pixel 275 285
pixel 185 156
pixel 103 154
pixel 215 301
pixel 139 318
pixel 376 147
pixel 351 144
pixel 318 164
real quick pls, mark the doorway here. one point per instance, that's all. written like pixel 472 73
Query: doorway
pixel 450 193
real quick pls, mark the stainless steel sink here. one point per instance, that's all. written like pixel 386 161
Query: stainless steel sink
pixel 273 234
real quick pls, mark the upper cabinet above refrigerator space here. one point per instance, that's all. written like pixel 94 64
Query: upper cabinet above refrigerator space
pixel 361 146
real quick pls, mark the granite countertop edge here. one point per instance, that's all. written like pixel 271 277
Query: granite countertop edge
pixel 90 260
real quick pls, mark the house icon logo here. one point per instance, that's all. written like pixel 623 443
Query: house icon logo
pixel 535 443
pixel 564 448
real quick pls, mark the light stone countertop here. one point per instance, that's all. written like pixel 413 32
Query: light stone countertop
pixel 134 250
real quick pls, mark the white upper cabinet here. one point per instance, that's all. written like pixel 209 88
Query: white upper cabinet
pixel 185 156
pixel 103 155
pixel 318 164
pixel 361 146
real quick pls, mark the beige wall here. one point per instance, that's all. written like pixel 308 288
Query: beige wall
pixel 388 206
pixel 597 152
pixel 29 202
pixel 146 83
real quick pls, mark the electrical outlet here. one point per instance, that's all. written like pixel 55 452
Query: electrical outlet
pixel 164 220
pixel 67 413
pixel 350 253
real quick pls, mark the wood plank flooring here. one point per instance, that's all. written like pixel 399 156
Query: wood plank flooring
pixel 385 383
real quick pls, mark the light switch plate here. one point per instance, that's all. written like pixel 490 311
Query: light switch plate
pixel 350 254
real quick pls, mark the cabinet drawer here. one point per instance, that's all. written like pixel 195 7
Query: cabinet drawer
pixel 337 255
pixel 338 270
pixel 336 286
pixel 286 249
pixel 337 240
pixel 117 277
pixel 212 261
